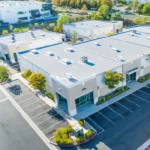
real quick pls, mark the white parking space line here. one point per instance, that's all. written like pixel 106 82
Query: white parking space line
pixel 26 99
pixel 53 125
pixel 2 100
pixel 40 114
pixel 115 112
pixel 22 95
pixel 47 119
pixel 97 126
pixel 125 107
pixel 144 92
pixel 31 103
pixel 106 117
pixel 36 108
pixel 132 102
pixel 140 98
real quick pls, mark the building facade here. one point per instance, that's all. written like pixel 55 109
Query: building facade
pixel 76 73
pixel 13 43
pixel 92 28
pixel 12 11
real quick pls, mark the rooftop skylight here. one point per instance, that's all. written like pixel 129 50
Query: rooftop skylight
pixel 35 52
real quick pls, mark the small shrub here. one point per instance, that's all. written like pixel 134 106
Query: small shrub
pixel 49 95
pixel 26 74
pixel 143 78
pixel 89 133
pixel 69 129
pixel 80 139
pixel 82 122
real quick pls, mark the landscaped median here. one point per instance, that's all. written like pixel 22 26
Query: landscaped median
pixel 118 91
pixel 144 78
pixel 73 135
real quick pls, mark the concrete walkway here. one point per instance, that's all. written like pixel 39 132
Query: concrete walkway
pixel 91 109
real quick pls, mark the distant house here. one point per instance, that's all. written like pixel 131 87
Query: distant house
pixel 12 11
pixel 92 28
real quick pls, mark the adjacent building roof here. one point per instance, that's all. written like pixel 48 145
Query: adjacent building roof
pixel 72 63
pixel 93 24
pixel 43 38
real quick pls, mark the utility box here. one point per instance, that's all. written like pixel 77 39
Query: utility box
pixel 77 130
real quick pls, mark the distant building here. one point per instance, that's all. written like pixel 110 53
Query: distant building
pixel 13 43
pixel 92 28
pixel 12 11
pixel 75 74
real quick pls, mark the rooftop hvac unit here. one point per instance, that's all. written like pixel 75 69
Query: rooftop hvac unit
pixel 68 75
pixel 84 59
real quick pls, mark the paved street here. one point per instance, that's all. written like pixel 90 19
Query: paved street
pixel 15 132
pixel 123 125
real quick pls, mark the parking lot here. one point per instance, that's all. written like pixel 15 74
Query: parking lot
pixel 116 114
pixel 42 114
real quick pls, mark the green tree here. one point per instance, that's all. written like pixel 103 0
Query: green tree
pixel 84 8
pixel 36 25
pixel 37 81
pixel 107 2
pixel 134 4
pixel 4 72
pixel 20 22
pixel 5 32
pixel 112 79
pixel 74 37
pixel 118 15
pixel 27 73
pixel 104 10
pixel 140 21
pixel 63 19
pixel 11 28
pixel 146 9
pixel 98 3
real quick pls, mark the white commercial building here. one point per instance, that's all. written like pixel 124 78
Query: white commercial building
pixel 13 43
pixel 92 28
pixel 12 11
pixel 75 74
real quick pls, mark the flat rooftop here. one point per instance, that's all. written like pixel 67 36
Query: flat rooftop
pixel 142 29
pixel 64 61
pixel 90 24
pixel 35 38
pixel 118 47
pixel 103 54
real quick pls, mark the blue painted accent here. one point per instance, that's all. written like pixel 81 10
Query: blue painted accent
pixel 89 63
pixel 39 48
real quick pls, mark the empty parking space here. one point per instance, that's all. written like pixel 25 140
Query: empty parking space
pixel 101 120
pixel 114 114
pixel 128 104
pixel 42 114
pixel 95 125
pixel 142 95
pixel 120 110
pixel 136 99
pixel 114 117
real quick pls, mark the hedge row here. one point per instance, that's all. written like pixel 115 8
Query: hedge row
pixel 113 94
pixel 144 78
pixel 87 135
